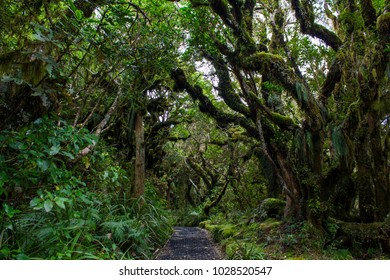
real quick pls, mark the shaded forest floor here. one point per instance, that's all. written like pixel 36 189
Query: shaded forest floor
pixel 245 238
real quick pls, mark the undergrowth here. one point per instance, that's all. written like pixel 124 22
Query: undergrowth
pixel 242 237
pixel 54 207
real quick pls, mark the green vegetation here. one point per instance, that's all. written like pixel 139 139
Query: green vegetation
pixel 77 211
pixel 265 122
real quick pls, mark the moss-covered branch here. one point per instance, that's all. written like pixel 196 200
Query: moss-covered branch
pixel 201 172
pixel 207 107
pixel 225 88
pixel 215 202
pixel 221 8
pixel 279 73
pixel 305 15
pixel 273 65
pixel 232 18
pixel 368 13
pixel 332 78
pixel 248 11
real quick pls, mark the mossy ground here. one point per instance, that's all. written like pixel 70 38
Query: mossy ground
pixel 245 238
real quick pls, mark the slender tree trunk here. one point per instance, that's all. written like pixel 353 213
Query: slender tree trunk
pixel 216 201
pixel 101 127
pixel 139 183
pixel 294 198
pixel 285 176
pixel 364 182
pixel 366 191
pixel 380 172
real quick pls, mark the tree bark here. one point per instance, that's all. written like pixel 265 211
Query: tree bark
pixel 139 182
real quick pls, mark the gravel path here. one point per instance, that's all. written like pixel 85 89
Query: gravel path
pixel 189 243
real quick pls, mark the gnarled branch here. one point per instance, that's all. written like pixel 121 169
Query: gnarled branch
pixel 305 15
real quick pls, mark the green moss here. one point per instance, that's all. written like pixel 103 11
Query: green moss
pixel 351 21
pixel 383 24
pixel 282 120
pixel 263 61
pixel 271 208
pixel 205 224
pixel 223 231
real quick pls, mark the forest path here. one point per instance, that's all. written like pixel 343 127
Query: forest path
pixel 189 243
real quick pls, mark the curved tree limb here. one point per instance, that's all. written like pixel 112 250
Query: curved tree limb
pixel 225 88
pixel 304 13
pixel 207 107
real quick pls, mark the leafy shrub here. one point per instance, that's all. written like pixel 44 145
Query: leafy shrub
pixel 57 207
pixel 91 226
pixel 36 157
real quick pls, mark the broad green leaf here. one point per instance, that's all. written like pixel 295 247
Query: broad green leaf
pixel 6 79
pixel 71 5
pixel 18 145
pixel 48 205
pixel 69 155
pixel 86 162
pixel 49 69
pixel 38 91
pixel 85 199
pixel 10 211
pixel 79 14
pixel 21 256
pixel 60 201
pixel 43 164
pixel 38 36
pixel 38 121
pixel 35 201
pixel 54 150
pixel 5 251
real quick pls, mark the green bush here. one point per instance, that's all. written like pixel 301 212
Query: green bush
pixel 37 156
pixel 56 207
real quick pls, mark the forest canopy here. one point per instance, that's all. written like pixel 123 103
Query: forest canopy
pixel 121 118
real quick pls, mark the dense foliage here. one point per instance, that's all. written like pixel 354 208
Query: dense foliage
pixel 266 122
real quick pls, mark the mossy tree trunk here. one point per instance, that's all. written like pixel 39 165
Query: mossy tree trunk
pixel 139 174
